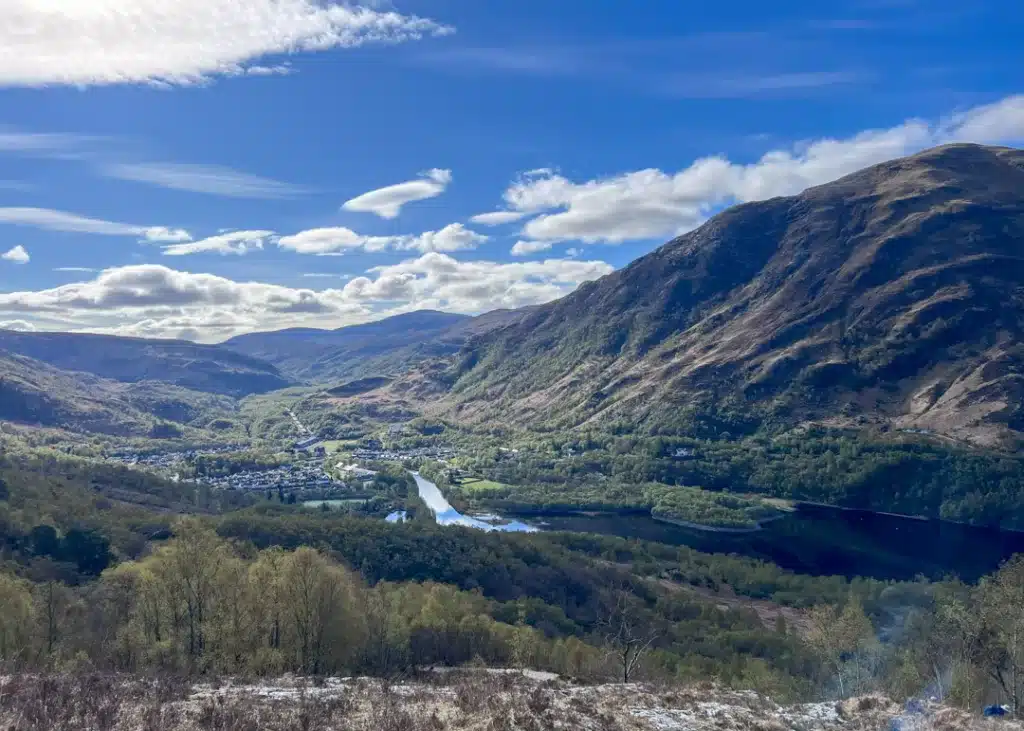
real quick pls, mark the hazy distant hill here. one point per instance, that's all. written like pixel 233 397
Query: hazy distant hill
pixel 207 368
pixel 384 347
pixel 895 294
pixel 34 393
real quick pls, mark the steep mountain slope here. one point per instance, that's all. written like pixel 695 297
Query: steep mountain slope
pixel 377 348
pixel 32 392
pixel 206 368
pixel 895 294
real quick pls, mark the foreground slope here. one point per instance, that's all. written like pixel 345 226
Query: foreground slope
pixel 208 368
pixel 893 295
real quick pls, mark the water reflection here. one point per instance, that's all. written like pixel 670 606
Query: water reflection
pixel 445 514
pixel 829 541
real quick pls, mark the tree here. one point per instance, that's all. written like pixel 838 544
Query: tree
pixel 44 541
pixel 626 633
pixel 315 592
pixel 1002 611
pixel 15 618
pixel 187 570
pixel 88 550
pixel 836 635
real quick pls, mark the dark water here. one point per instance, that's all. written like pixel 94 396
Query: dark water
pixel 827 541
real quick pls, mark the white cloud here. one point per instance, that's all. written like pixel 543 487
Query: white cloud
pixel 236 242
pixel 321 241
pixel 19 325
pixel 18 255
pixel 150 286
pixel 438 281
pixel 76 270
pixel 454 237
pixel 525 248
pixel 337 240
pixel 45 42
pixel 156 301
pixel 497 218
pixel 164 235
pixel 387 202
pixel 650 204
pixel 51 220
pixel 209 179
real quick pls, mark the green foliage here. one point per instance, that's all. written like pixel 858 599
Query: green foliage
pixel 694 506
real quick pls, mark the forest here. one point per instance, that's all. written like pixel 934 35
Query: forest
pixel 601 469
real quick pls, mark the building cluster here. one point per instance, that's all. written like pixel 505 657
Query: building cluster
pixel 376 452
pixel 308 475
pixel 167 459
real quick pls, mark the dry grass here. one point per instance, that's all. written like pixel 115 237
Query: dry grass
pixel 468 701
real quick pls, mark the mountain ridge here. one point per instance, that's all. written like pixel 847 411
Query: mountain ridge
pixel 893 294
pixel 382 347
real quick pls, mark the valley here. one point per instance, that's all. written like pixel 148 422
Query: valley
pixel 803 412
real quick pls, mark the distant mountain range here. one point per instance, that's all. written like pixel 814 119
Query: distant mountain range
pixel 893 297
pixel 386 347
pixel 207 368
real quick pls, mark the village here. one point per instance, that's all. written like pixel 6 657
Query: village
pixel 310 469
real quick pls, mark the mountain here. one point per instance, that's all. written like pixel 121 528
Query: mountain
pixel 892 296
pixel 384 347
pixel 207 368
pixel 35 393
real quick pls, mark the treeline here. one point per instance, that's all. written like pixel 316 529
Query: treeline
pixel 884 472
pixel 198 604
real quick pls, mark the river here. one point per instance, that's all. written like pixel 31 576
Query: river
pixel 445 514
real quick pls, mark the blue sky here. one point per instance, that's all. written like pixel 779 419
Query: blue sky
pixel 229 155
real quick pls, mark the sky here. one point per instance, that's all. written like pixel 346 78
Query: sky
pixel 204 168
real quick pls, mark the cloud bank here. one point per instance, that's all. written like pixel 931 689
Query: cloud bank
pixel 157 301
pixel 653 204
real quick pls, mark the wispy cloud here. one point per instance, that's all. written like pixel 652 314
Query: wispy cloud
pixel 236 242
pixel 52 220
pixel 180 42
pixel 701 65
pixel 16 185
pixel 39 142
pixel 744 86
pixel 209 179
pixel 76 270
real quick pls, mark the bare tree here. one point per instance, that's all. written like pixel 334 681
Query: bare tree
pixel 626 634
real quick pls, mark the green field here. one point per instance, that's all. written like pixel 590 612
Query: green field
pixel 480 487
